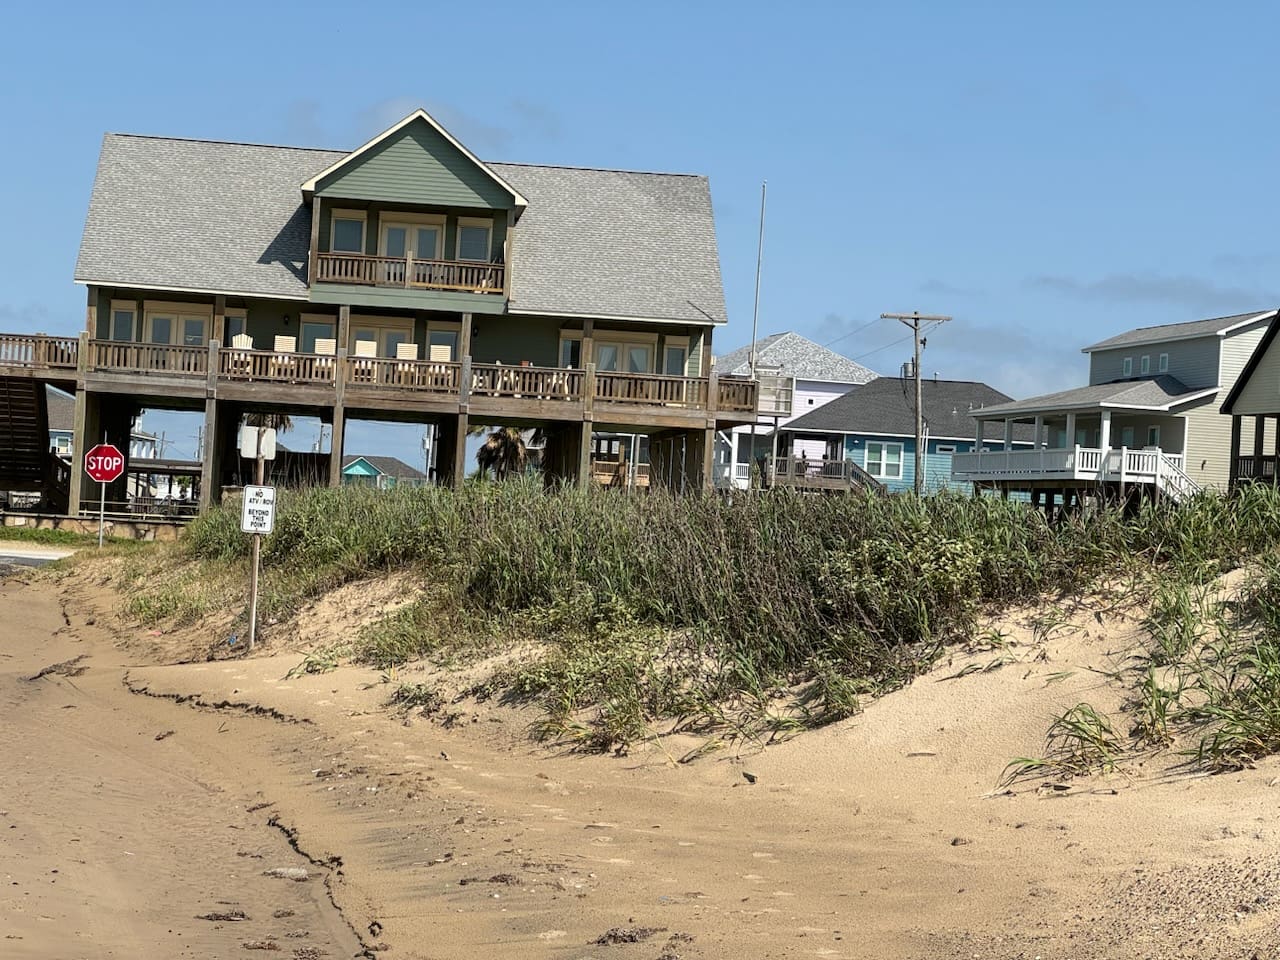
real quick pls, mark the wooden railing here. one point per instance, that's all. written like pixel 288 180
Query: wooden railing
pixel 737 395
pixel 38 351
pixel 651 389
pixel 463 275
pixel 802 472
pixel 275 367
pixel 420 376
pixel 124 357
pixel 534 383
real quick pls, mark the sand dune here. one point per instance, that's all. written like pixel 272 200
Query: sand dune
pixel 885 836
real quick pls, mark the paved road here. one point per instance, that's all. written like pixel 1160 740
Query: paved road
pixel 29 555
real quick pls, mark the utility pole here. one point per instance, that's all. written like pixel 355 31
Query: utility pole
pixel 913 321
pixel 755 325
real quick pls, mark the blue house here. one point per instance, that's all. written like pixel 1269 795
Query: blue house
pixel 873 425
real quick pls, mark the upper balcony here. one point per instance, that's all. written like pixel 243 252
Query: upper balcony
pixel 407 273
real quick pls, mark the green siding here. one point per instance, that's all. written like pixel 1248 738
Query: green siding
pixel 398 298
pixel 416 165
pixel 515 339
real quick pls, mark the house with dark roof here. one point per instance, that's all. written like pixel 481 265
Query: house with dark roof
pixel 1148 422
pixel 873 426
pixel 381 472
pixel 797 377
pixel 405 280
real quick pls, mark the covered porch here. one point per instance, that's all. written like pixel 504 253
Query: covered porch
pixel 1098 438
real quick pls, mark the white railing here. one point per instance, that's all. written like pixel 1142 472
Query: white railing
pixel 1149 465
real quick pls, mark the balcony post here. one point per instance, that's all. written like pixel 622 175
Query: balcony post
pixel 314 255
pixel 211 374
pixel 1104 435
pixel 1259 440
pixel 338 432
pixel 588 418
pixel 408 267
pixel 210 481
pixel 1071 430
pixel 1040 444
pixel 91 311
pixel 464 340
pixel 344 326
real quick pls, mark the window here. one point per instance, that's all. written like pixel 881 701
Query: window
pixel 346 231
pixel 123 316
pixel 235 324
pixel 675 359
pixel 945 448
pixel 313 327
pixel 1146 365
pixel 639 358
pixel 1126 437
pixel 420 235
pixel 62 445
pixel 473 239
pixel 1164 363
pixel 884 460
pixel 1128 366
pixel 570 352
pixel 624 357
pixel 443 340
pixel 385 332
pixel 1153 436
pixel 176 324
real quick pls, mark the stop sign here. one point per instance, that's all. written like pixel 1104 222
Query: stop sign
pixel 104 463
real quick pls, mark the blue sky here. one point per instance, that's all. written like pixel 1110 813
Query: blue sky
pixel 1047 174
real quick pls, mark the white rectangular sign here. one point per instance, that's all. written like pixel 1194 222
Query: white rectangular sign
pixel 249 442
pixel 258 514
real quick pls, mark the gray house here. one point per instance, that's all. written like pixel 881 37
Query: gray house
pixel 811 376
pixel 1148 420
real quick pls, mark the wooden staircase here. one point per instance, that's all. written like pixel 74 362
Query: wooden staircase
pixel 26 464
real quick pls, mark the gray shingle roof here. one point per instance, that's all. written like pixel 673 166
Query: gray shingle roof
pixel 1152 393
pixel 798 357
pixel 615 243
pixel 62 410
pixel 229 217
pixel 387 466
pixel 1179 331
pixel 887 406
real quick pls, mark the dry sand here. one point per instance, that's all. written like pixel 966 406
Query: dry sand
pixel 884 836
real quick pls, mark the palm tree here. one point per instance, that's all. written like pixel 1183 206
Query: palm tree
pixel 504 452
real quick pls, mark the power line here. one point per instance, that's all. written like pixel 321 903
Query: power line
pixel 913 320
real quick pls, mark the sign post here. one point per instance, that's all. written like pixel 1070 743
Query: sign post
pixel 258 512
pixel 257 517
pixel 103 463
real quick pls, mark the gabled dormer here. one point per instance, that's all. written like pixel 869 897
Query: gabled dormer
pixel 412 219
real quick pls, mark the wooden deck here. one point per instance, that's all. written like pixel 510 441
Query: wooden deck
pixel 837 476
pixel 495 390
pixel 411 274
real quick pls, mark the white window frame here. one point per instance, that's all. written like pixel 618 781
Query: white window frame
pixel 178 312
pixel 362 216
pixel 123 306
pixel 884 446
pixel 382 326
pixel 1153 428
pixel 1128 367
pixel 411 220
pixel 1164 363
pixel 682 342
pixel 569 336
pixel 62 446
pixel 327 320
pixel 945 448
pixel 1145 367
pixel 448 326
pixel 487 223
